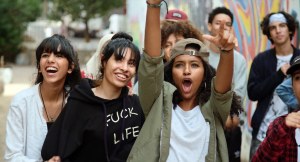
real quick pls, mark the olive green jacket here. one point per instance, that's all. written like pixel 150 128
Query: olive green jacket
pixel 152 144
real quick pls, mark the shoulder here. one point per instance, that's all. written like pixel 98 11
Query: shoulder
pixel 267 56
pixel 26 94
pixel 297 50
pixel 25 99
pixel 84 86
pixel 134 98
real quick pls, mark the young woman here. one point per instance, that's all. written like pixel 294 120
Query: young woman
pixel 33 110
pixel 185 116
pixel 101 121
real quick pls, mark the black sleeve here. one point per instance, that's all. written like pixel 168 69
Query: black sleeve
pixel 261 84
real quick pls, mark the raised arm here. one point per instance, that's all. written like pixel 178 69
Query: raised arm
pixel 152 30
pixel 226 41
pixel 151 69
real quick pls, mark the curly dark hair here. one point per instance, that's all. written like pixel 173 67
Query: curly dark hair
pixel 204 90
pixel 50 45
pixel 219 10
pixel 236 105
pixel 291 23
pixel 182 28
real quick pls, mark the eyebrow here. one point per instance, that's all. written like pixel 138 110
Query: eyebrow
pixel 281 23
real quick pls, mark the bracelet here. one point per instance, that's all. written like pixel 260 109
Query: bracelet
pixel 225 51
pixel 153 5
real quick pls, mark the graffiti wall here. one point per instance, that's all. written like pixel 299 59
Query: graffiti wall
pixel 247 17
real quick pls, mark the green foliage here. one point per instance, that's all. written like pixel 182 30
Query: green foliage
pixel 83 10
pixel 91 8
pixel 14 18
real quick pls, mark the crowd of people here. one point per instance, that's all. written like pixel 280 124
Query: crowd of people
pixel 184 104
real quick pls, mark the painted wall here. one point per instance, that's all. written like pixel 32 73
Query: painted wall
pixel 247 17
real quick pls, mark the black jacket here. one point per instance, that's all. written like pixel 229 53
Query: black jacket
pixel 92 129
pixel 263 79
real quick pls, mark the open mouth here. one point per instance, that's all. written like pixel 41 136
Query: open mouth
pixel 122 76
pixel 51 70
pixel 187 85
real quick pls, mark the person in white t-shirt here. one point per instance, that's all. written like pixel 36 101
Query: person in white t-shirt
pixel 268 70
pixel 233 131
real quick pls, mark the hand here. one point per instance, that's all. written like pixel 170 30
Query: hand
pixel 293 119
pixel 232 122
pixel 54 159
pixel 225 39
pixel 284 68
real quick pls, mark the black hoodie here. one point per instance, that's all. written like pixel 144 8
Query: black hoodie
pixel 92 129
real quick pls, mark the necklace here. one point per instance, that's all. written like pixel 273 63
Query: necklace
pixel 51 119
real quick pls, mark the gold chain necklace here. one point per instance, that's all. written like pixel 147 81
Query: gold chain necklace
pixel 51 119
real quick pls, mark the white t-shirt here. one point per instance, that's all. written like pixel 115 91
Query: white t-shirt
pixel 276 107
pixel 189 136
pixel 239 79
pixel 297 137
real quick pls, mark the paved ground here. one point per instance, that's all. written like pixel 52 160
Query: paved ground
pixel 23 77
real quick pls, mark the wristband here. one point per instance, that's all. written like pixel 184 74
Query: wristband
pixel 224 51
pixel 153 5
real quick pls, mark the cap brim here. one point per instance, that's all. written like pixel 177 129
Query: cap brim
pixel 293 68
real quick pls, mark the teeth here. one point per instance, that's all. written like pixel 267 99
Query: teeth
pixel 51 68
pixel 121 76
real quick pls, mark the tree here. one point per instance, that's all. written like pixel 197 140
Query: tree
pixel 15 16
pixel 83 10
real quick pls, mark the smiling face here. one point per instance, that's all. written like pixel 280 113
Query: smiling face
pixel 279 33
pixel 188 73
pixel 118 73
pixel 54 67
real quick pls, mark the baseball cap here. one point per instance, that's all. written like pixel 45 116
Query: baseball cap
pixel 180 49
pixel 295 66
pixel 176 14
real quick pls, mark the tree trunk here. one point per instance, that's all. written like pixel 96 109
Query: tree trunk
pixel 86 32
